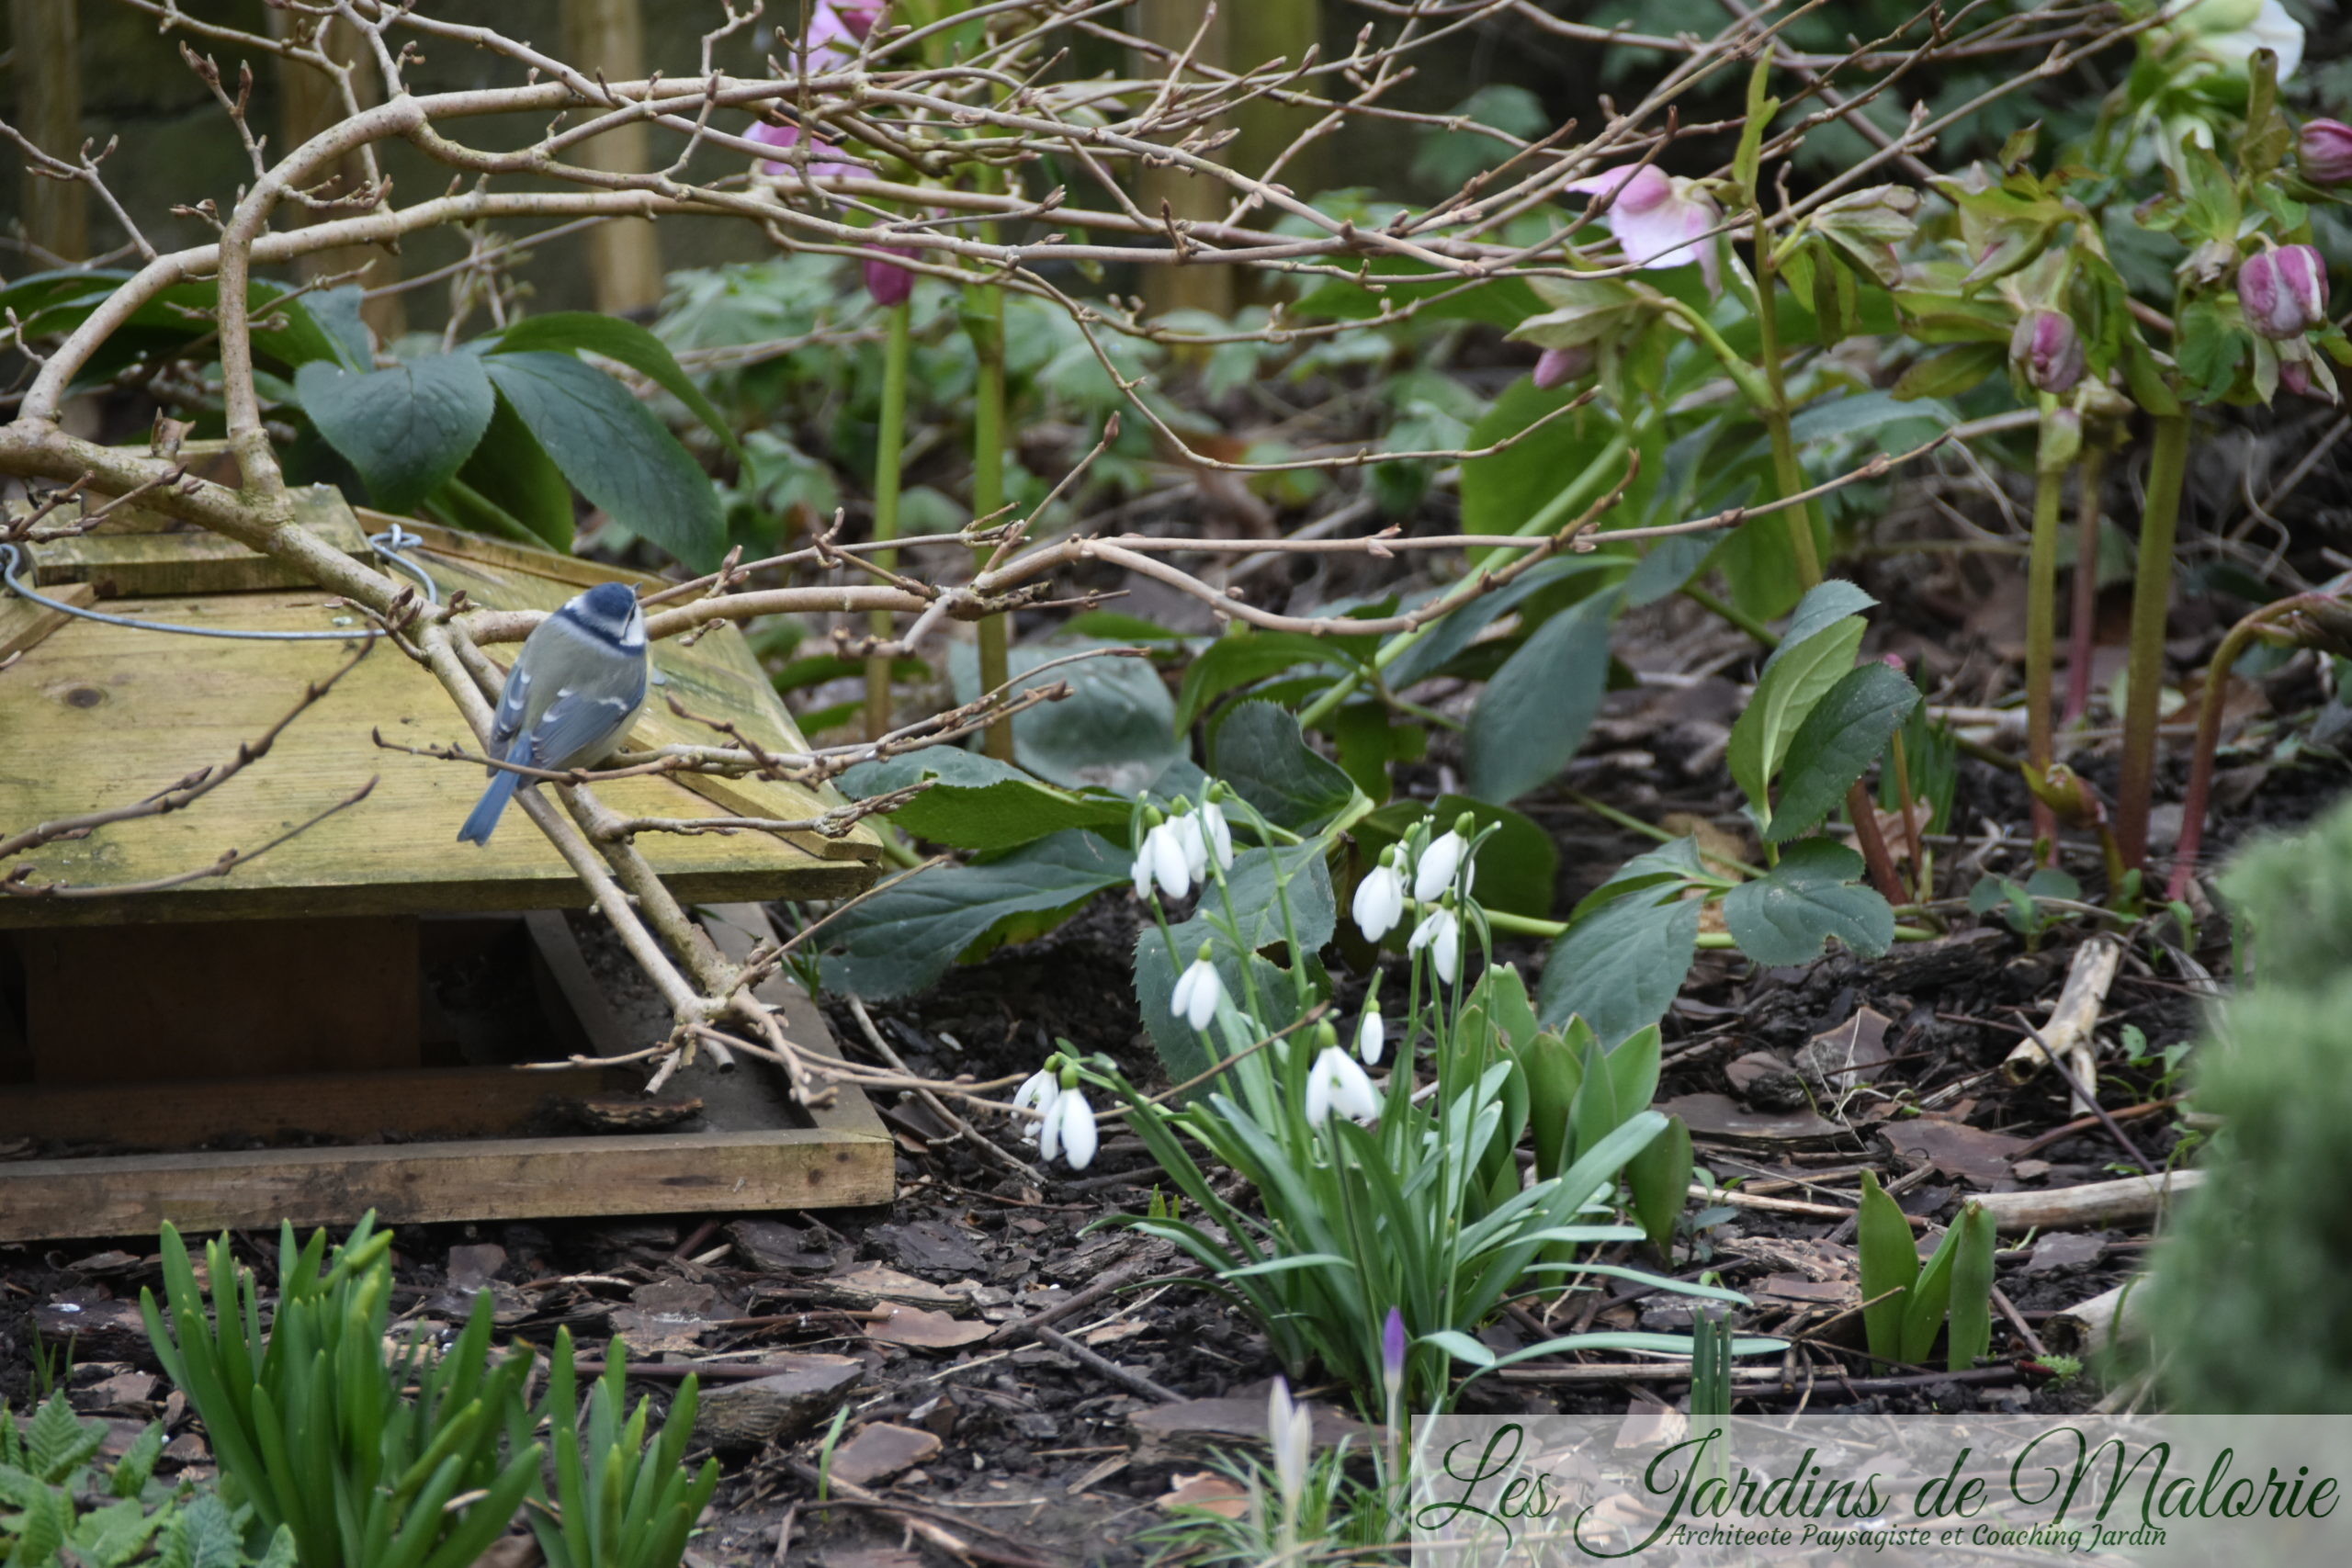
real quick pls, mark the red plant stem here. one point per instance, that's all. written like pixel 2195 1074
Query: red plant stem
pixel 2151 601
pixel 1864 811
pixel 2082 624
pixel 2208 738
pixel 2041 637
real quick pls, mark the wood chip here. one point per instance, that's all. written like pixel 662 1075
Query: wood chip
pixel 878 1451
pixel 1954 1148
pixel 872 1284
pixel 1838 1060
pixel 922 1330
pixel 803 1392
pixel 1716 1116
pixel 1220 1495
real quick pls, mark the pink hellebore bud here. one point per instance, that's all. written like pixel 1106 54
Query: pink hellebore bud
pixel 2325 149
pixel 1558 366
pixel 835 29
pixel 889 284
pixel 820 165
pixel 2283 292
pixel 2047 352
pixel 1657 219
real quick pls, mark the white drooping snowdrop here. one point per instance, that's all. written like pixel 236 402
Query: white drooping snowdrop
pixel 1069 1129
pixel 1380 898
pixel 1434 873
pixel 1218 833
pixel 1160 858
pixel 1198 990
pixel 1372 1035
pixel 1441 932
pixel 1335 1083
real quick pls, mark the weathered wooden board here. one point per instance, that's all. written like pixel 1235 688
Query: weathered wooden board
pixel 138 562
pixel 150 1002
pixel 500 1179
pixel 112 722
pixel 445 1102
pixel 23 623
pixel 737 929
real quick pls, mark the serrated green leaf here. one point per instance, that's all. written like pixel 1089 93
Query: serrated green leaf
pixel 1619 968
pixel 904 938
pixel 57 1441
pixel 1814 655
pixel 623 341
pixel 614 451
pixel 1262 753
pixel 1836 744
pixel 978 803
pixel 512 471
pixel 1810 896
pixel 407 429
pixel 1533 714
pixel 1243 660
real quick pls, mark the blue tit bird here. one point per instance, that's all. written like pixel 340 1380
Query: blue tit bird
pixel 576 689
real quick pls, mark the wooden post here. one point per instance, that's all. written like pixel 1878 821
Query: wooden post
pixel 49 110
pixel 1173 23
pixel 1254 35
pixel 624 255
pixel 308 104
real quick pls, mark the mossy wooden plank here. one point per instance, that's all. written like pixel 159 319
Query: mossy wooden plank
pixel 506 1178
pixel 23 623
pixel 141 563
pixel 432 1101
pixel 116 714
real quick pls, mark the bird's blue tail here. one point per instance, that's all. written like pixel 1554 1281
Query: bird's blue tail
pixel 491 806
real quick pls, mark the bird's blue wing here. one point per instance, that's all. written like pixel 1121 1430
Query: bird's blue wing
pixel 514 700
pixel 576 727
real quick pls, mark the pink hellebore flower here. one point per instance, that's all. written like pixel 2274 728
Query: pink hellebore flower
pixel 835 29
pixel 820 166
pixel 1656 217
pixel 2283 292
pixel 2047 352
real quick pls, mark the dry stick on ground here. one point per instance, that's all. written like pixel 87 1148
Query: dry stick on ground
pixel 2126 1202
pixel 963 1129
pixel 1133 1382
pixel 2074 1019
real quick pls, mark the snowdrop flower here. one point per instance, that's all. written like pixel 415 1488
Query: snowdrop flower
pixel 1380 898
pixel 1371 1035
pixel 1219 833
pixel 1036 1092
pixel 1198 990
pixel 1441 932
pixel 1069 1130
pixel 1189 837
pixel 1658 219
pixel 1290 1430
pixel 1160 858
pixel 1437 865
pixel 1336 1083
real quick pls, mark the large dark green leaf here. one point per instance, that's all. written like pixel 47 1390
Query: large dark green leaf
pixel 1815 653
pixel 625 343
pixel 1533 714
pixel 1837 742
pixel 512 472
pixel 1116 728
pixel 1809 897
pixel 1619 968
pixel 1261 752
pixel 1243 659
pixel 407 429
pixel 978 803
pixel 614 451
pixel 902 940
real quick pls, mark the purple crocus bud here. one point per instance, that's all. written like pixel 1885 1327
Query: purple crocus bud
pixel 889 284
pixel 2283 292
pixel 2326 152
pixel 1558 366
pixel 1392 1348
pixel 2047 351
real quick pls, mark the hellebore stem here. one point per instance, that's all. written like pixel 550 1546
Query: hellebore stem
pixel 2082 624
pixel 2150 599
pixel 890 445
pixel 2040 638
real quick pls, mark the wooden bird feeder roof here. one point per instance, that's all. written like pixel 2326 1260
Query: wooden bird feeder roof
pixel 99 715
